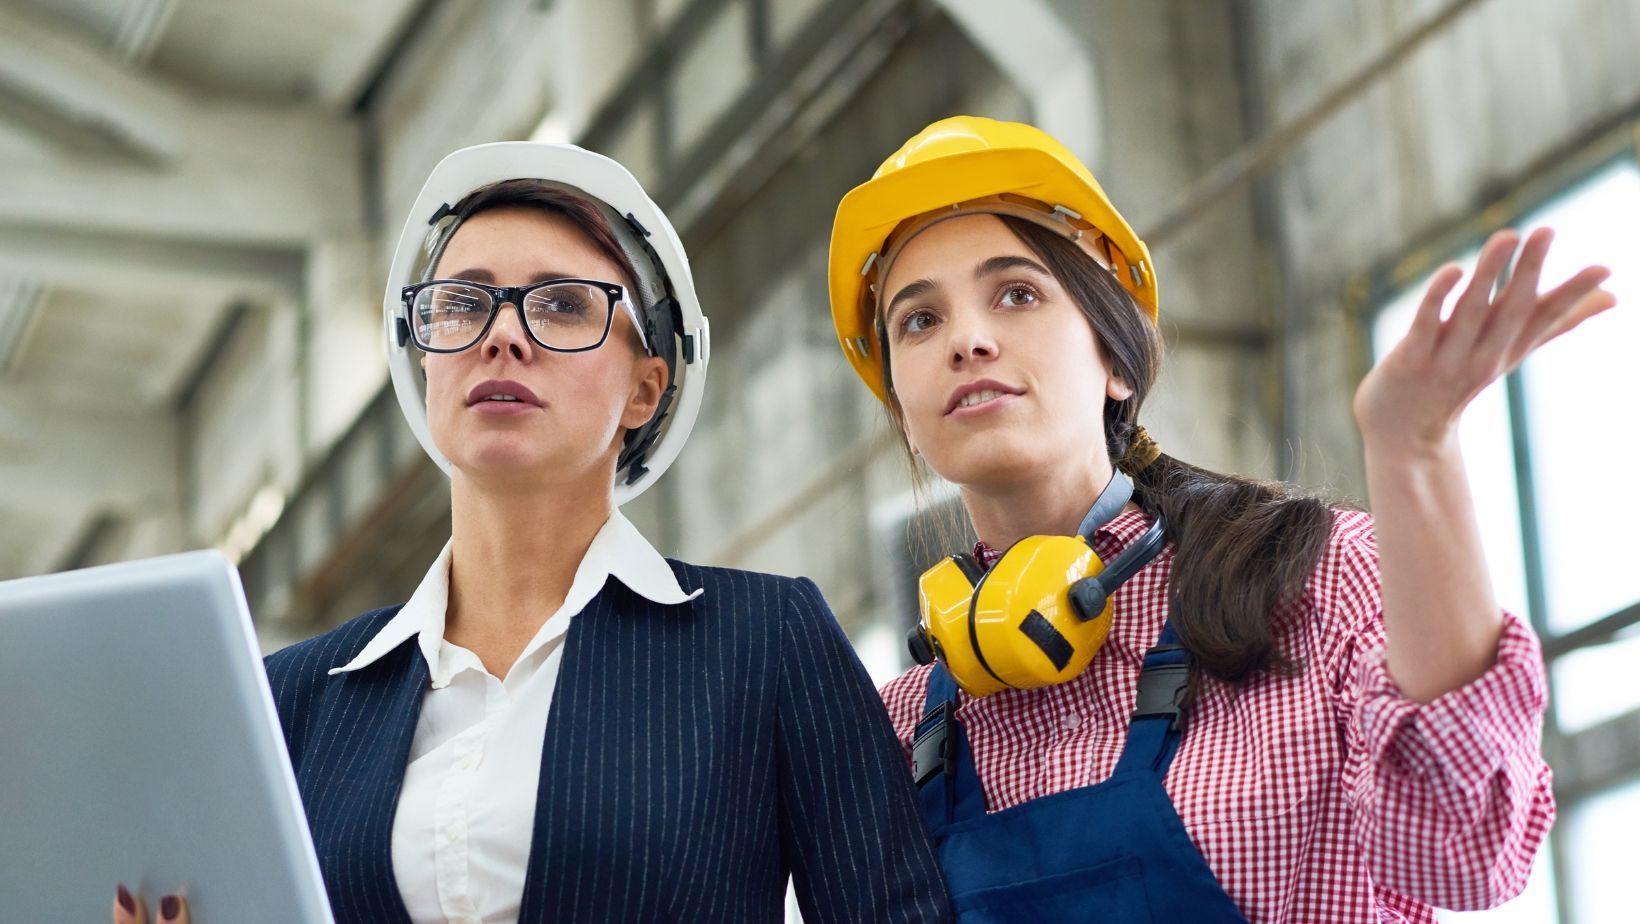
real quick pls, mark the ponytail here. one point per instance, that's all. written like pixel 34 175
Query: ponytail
pixel 1243 549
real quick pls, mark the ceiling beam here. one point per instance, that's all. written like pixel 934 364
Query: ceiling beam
pixel 111 263
pixel 248 175
pixel 87 90
pixel 1064 98
pixel 136 154
pixel 377 29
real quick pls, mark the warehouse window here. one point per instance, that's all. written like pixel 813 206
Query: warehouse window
pixel 1548 452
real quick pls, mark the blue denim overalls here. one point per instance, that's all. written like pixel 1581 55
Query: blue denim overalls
pixel 1114 851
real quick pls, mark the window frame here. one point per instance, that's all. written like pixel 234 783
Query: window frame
pixel 1585 766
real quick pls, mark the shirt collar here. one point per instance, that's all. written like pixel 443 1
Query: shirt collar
pixel 618 550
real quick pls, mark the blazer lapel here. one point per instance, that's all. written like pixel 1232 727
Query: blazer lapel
pixel 557 821
pixel 354 832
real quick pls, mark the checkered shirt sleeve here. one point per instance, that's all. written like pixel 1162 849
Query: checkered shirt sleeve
pixel 1450 799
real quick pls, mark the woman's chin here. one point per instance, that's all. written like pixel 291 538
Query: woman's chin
pixel 503 459
pixel 984 467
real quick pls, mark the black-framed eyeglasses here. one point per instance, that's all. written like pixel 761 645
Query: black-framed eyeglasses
pixel 562 315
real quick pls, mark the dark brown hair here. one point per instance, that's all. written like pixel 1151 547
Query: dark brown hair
pixel 1243 549
pixel 534 194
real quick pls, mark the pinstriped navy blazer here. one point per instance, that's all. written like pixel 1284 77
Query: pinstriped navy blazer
pixel 695 755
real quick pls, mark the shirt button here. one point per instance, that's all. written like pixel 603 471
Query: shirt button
pixel 1071 721
pixel 469 762
pixel 452 833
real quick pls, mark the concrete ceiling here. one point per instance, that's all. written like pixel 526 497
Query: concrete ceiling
pixel 304 51
pixel 160 162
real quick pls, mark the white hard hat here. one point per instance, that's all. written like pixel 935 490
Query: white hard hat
pixel 677 328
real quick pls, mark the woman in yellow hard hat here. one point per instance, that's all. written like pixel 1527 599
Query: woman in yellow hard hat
pixel 1295 712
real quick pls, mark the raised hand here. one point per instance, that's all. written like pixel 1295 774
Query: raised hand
pixel 1412 399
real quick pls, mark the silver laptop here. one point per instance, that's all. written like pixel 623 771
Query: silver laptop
pixel 139 744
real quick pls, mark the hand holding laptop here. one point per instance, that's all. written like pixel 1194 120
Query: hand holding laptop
pixel 131 909
pixel 155 757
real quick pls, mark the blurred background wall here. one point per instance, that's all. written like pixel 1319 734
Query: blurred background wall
pixel 197 200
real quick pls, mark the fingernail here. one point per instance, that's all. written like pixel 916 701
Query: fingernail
pixel 126 901
pixel 169 907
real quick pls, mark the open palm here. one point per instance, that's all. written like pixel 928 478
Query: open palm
pixel 1413 398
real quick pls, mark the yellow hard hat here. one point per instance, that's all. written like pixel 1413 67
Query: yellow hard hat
pixel 967 163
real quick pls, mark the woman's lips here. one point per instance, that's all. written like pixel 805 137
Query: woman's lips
pixel 502 408
pixel 987 406
pixel 501 391
pixel 980 396
pixel 503 397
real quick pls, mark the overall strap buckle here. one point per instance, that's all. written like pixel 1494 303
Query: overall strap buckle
pixel 1164 682
pixel 933 750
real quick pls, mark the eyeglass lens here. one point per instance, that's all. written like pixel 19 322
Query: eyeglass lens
pixel 563 316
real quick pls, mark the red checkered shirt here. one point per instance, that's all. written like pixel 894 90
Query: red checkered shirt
pixel 1325 796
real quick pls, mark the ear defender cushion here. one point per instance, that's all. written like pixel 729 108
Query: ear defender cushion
pixel 1023 624
pixel 1036 618
pixel 944 597
pixel 916 642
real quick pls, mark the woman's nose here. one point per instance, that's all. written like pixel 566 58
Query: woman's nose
pixel 507 334
pixel 971 340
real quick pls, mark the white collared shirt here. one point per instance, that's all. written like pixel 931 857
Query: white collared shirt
pixel 466 814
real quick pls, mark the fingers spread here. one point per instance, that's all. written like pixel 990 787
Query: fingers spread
pixel 1529 268
pixel 1560 298
pixel 1426 322
pixel 1512 312
pixel 1564 307
pixel 1470 313
pixel 1586 307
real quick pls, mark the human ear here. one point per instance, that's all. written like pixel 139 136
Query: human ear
pixel 648 384
pixel 1117 390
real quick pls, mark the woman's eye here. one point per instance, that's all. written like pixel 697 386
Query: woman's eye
pixel 555 304
pixel 916 321
pixel 1017 296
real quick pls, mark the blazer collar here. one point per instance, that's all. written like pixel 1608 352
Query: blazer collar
pixel 618 550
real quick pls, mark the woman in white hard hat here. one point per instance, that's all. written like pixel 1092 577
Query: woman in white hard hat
pixel 1295 712
pixel 560 724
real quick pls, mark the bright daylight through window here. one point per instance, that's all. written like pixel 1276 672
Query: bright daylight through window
pixel 1542 450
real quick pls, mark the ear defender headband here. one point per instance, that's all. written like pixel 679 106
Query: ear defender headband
pixel 1039 615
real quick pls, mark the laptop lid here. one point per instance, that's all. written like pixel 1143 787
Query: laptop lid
pixel 139 744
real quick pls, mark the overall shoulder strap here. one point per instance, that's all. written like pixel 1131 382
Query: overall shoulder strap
pixel 1158 720
pixel 942 766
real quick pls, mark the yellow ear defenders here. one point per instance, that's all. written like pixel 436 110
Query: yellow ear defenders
pixel 1039 615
